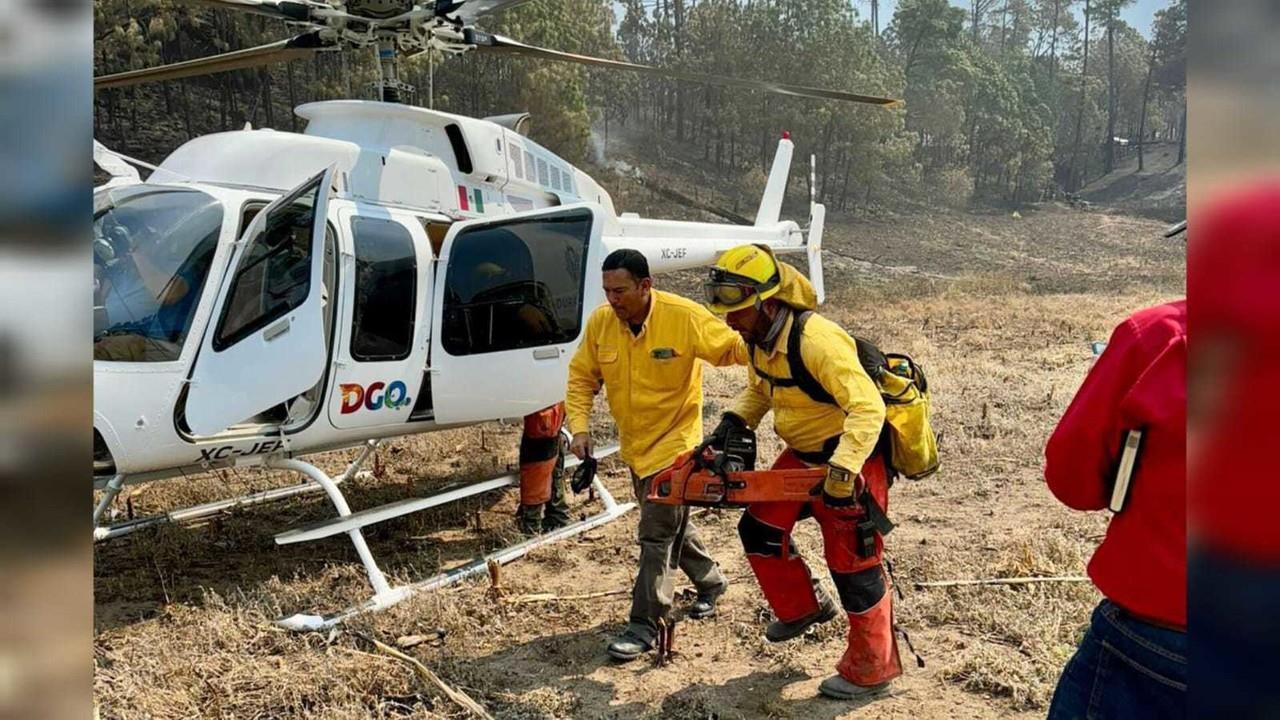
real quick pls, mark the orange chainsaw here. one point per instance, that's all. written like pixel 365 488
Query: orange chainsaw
pixel 726 477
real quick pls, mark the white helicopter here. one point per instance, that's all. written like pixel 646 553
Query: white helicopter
pixel 266 295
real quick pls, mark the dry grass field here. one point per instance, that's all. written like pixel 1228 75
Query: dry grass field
pixel 1000 310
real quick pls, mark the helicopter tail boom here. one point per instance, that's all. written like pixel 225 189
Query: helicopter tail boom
pixel 671 245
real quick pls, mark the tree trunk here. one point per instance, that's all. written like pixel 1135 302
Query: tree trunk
pixel 222 103
pixel 679 42
pixel 168 99
pixel 1004 25
pixel 1111 91
pixel 1053 43
pixel 184 96
pixel 911 55
pixel 266 98
pixel 826 136
pixel 1182 143
pixel 973 141
pixel 346 70
pixel 719 146
pixel 844 186
pixel 293 98
pixel 1142 118
pixel 1084 75
pixel 233 92
pixel 764 145
pixel 733 147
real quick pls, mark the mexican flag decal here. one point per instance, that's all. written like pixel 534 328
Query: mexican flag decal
pixel 466 199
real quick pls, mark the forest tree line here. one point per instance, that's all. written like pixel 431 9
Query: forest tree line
pixel 1005 100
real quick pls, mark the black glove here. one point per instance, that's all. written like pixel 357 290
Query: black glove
pixel 584 474
pixel 728 423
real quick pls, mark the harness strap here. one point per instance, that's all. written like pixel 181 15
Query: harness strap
pixel 876 514
pixel 872 360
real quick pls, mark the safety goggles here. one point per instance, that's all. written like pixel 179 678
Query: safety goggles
pixel 726 288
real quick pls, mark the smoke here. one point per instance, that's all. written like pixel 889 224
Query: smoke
pixel 597 148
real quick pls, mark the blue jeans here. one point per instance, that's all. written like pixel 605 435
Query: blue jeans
pixel 1124 668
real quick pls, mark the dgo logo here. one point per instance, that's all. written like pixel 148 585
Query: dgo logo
pixel 374 397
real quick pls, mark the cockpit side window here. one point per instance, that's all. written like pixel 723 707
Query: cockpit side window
pixel 274 275
pixel 152 250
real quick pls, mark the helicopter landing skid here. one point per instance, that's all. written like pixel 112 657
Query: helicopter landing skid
pixel 384 595
pixel 198 512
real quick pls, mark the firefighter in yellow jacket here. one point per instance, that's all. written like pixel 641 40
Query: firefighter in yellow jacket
pixel 646 348
pixel 829 412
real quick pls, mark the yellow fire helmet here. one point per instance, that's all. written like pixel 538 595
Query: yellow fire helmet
pixel 743 276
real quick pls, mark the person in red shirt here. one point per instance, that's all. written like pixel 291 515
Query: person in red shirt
pixel 1132 660
pixel 1233 548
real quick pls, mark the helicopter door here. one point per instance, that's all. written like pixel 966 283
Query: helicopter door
pixel 510 300
pixel 382 344
pixel 266 342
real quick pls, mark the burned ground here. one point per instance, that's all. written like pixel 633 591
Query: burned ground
pixel 999 309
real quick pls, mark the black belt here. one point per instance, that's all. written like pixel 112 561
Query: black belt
pixel 819 457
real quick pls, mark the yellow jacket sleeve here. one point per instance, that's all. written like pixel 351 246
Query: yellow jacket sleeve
pixel 832 358
pixel 716 342
pixel 585 380
pixel 753 403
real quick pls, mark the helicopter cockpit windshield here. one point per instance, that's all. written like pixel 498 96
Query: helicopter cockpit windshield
pixel 152 249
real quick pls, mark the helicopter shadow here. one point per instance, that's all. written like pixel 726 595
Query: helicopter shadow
pixel 570 664
pixel 567 664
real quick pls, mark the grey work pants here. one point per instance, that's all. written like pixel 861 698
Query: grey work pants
pixel 667 540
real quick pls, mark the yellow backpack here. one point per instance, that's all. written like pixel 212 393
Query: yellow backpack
pixel 904 388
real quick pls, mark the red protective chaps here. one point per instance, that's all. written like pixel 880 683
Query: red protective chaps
pixel 872 655
pixel 538 454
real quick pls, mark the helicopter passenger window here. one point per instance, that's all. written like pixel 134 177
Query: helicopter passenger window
pixel 385 290
pixel 274 275
pixel 517 284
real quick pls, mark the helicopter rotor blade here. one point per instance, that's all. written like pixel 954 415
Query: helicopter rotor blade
pixel 287 10
pixel 301 46
pixel 490 43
